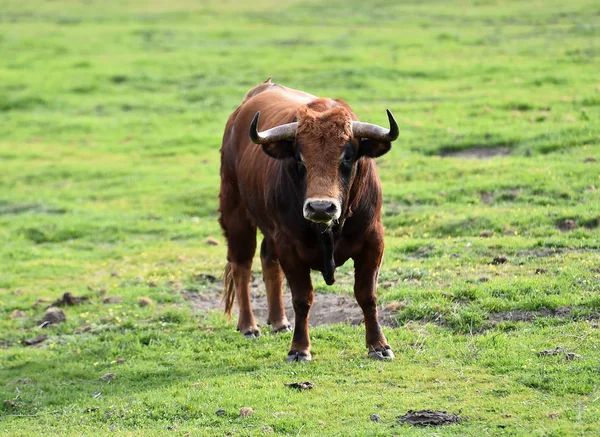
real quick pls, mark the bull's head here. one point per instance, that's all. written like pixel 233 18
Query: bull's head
pixel 327 145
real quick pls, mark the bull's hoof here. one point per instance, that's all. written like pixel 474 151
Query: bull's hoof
pixel 252 333
pixel 384 353
pixel 298 356
pixel 284 328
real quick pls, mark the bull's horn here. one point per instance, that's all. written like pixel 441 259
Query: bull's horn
pixel 285 132
pixel 372 131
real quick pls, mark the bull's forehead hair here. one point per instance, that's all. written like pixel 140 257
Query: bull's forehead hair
pixel 333 125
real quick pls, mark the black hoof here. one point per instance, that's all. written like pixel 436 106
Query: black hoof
pixel 253 333
pixel 284 328
pixel 298 356
pixel 384 353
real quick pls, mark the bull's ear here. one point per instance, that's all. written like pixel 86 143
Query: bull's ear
pixel 279 149
pixel 373 148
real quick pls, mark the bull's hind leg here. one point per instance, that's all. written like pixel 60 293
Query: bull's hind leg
pixel 366 272
pixel 240 233
pixel 273 277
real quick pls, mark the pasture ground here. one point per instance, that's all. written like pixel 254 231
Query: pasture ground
pixel 111 115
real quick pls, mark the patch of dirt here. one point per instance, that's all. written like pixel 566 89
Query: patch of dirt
pixel 477 152
pixel 422 252
pixel 528 316
pixel 429 418
pixel 538 253
pixel 327 308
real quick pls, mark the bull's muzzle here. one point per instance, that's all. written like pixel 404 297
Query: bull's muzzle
pixel 322 210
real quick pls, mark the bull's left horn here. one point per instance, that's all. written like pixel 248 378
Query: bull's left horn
pixel 284 132
pixel 372 131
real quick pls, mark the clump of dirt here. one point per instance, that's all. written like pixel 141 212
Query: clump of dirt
pixel 556 351
pixel 52 316
pixel 211 241
pixel 246 411
pixel 307 385
pixel 567 225
pixel 17 314
pixel 108 377
pixel 112 299
pixel 499 260
pixel 477 152
pixel 204 277
pixel 68 299
pixel 569 356
pixel 429 418
pixel 145 302
pixel 10 403
pixel 37 340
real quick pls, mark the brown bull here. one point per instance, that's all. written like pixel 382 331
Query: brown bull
pixel 313 191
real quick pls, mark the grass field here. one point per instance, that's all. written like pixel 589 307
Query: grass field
pixel 111 116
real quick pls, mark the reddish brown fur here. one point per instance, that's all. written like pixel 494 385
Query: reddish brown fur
pixel 260 191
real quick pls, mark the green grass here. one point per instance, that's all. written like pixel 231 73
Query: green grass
pixel 111 115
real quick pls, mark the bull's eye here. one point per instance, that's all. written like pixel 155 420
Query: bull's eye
pixel 348 154
pixel 299 160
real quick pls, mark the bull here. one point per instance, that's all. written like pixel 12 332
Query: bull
pixel 313 190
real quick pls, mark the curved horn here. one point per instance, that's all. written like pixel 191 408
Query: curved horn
pixel 368 130
pixel 284 132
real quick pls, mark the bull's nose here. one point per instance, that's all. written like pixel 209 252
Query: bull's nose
pixel 321 211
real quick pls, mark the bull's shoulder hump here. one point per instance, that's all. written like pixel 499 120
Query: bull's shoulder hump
pixel 283 92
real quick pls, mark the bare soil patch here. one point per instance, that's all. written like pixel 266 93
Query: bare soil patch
pixel 477 152
pixel 429 418
pixel 528 316
pixel 327 309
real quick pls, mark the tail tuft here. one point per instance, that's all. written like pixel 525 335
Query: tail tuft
pixel 228 290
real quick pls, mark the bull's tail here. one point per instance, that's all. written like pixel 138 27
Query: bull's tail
pixel 228 290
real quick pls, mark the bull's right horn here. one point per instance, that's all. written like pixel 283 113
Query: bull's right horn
pixel 284 132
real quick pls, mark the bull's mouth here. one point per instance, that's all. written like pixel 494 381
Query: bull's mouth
pixel 325 222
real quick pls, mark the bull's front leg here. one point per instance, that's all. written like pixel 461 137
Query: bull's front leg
pixel 366 273
pixel 298 278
